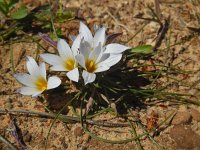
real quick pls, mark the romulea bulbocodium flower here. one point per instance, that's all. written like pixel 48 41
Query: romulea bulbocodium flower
pixel 114 49
pixel 35 82
pixel 66 60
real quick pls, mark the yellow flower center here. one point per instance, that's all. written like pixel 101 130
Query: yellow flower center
pixel 90 65
pixel 69 64
pixel 41 84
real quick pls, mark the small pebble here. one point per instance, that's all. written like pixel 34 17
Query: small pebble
pixel 78 131
pixel 195 114
pixel 182 118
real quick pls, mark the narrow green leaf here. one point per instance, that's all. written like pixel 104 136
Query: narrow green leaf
pixel 20 13
pixel 12 3
pixel 143 49
pixel 3 7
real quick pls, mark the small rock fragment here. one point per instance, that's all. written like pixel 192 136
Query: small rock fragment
pixel 78 131
pixel 195 114
pixel 184 137
pixel 182 118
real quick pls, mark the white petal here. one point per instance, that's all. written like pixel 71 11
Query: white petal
pixel 85 32
pixel 52 59
pixel 96 53
pixel 115 48
pixel 100 37
pixel 85 48
pixel 53 82
pixel 72 37
pixel 81 60
pixel 76 45
pixel 42 70
pixel 73 75
pixel 103 58
pixel 32 67
pixel 64 49
pixel 102 67
pixel 29 91
pixel 25 79
pixel 60 67
pixel 113 59
pixel 88 77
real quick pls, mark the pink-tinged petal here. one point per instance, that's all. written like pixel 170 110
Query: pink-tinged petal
pixel 29 91
pixel 32 67
pixel 52 59
pixel 85 32
pixel 73 75
pixel 53 82
pixel 25 79
pixel 64 49
pixel 113 59
pixel 115 48
pixel 100 37
pixel 88 77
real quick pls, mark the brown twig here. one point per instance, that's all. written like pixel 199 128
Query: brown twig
pixel 8 143
pixel 64 118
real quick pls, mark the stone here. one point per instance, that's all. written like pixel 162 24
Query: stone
pixel 78 131
pixel 195 114
pixel 184 137
pixel 182 118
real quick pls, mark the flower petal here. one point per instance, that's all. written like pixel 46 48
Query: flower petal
pixel 64 49
pixel 113 59
pixel 60 67
pixel 102 67
pixel 81 60
pixel 52 59
pixel 73 75
pixel 88 77
pixel 32 67
pixel 96 53
pixel 29 91
pixel 103 58
pixel 100 37
pixel 72 37
pixel 76 45
pixel 53 82
pixel 85 48
pixel 42 69
pixel 85 32
pixel 115 48
pixel 25 79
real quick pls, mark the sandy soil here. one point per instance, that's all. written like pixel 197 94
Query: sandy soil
pixel 183 132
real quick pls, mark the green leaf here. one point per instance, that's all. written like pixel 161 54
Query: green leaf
pixel 20 13
pixel 66 15
pixel 3 7
pixel 12 3
pixel 143 49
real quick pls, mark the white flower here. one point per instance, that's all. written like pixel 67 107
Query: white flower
pixel 92 61
pixel 66 61
pixel 115 50
pixel 35 82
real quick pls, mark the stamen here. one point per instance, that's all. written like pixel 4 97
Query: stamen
pixel 69 64
pixel 90 65
pixel 41 84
